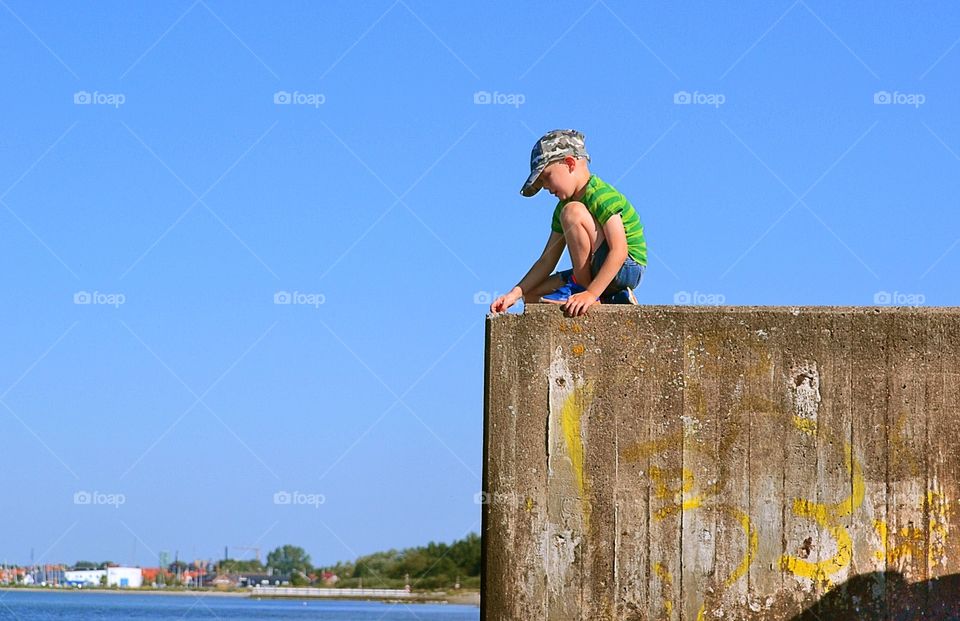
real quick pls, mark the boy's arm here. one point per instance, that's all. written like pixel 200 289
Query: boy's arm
pixel 545 265
pixel 539 271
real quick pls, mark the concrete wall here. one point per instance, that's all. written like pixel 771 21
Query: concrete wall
pixel 734 463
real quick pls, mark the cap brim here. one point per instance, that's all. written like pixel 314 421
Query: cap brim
pixel 532 186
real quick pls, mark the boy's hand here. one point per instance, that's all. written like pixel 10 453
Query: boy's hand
pixel 501 304
pixel 578 304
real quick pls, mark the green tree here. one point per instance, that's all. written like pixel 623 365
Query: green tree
pixel 299 579
pixel 436 565
pixel 235 566
pixel 287 559
pixel 466 554
pixel 177 566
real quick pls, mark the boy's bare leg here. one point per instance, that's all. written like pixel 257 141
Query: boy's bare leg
pixel 583 235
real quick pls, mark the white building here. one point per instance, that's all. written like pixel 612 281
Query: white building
pixel 123 577
pixel 84 577
pixel 131 577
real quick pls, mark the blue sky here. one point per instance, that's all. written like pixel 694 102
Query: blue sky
pixel 178 165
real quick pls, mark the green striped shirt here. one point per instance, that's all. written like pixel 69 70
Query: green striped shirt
pixel 602 201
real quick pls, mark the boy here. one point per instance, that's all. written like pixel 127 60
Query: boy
pixel 598 225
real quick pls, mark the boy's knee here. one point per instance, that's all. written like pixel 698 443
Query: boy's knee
pixel 574 211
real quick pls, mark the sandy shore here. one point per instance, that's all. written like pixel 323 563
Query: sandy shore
pixel 467 599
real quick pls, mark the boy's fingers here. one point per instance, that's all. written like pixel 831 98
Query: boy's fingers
pixel 500 305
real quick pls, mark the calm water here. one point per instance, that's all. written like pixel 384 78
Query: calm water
pixel 32 605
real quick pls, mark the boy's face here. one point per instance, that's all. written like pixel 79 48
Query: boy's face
pixel 559 178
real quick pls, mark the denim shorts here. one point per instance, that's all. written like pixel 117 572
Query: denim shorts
pixel 630 274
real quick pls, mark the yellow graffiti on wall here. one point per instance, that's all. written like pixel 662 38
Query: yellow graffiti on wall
pixel 752 543
pixel 570 414
pixel 828 516
pixel 805 425
pixel 908 542
pixel 642 450
pixel 682 494
pixel 939 507
pixel 678 489
pixel 680 499
pixel 667 578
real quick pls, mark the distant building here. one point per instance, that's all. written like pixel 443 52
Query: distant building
pixel 49 574
pixel 250 580
pixel 131 577
pixel 14 574
pixel 84 577
pixel 156 575
pixel 198 577
pixel 330 578
pixel 226 581
pixel 123 577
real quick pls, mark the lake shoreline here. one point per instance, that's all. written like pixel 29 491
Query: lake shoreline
pixel 30 589
pixel 470 598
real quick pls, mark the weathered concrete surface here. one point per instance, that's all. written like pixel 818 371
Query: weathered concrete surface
pixel 734 463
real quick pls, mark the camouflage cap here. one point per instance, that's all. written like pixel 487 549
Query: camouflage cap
pixel 552 147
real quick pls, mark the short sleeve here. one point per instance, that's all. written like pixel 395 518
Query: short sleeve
pixel 605 203
pixel 556 226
